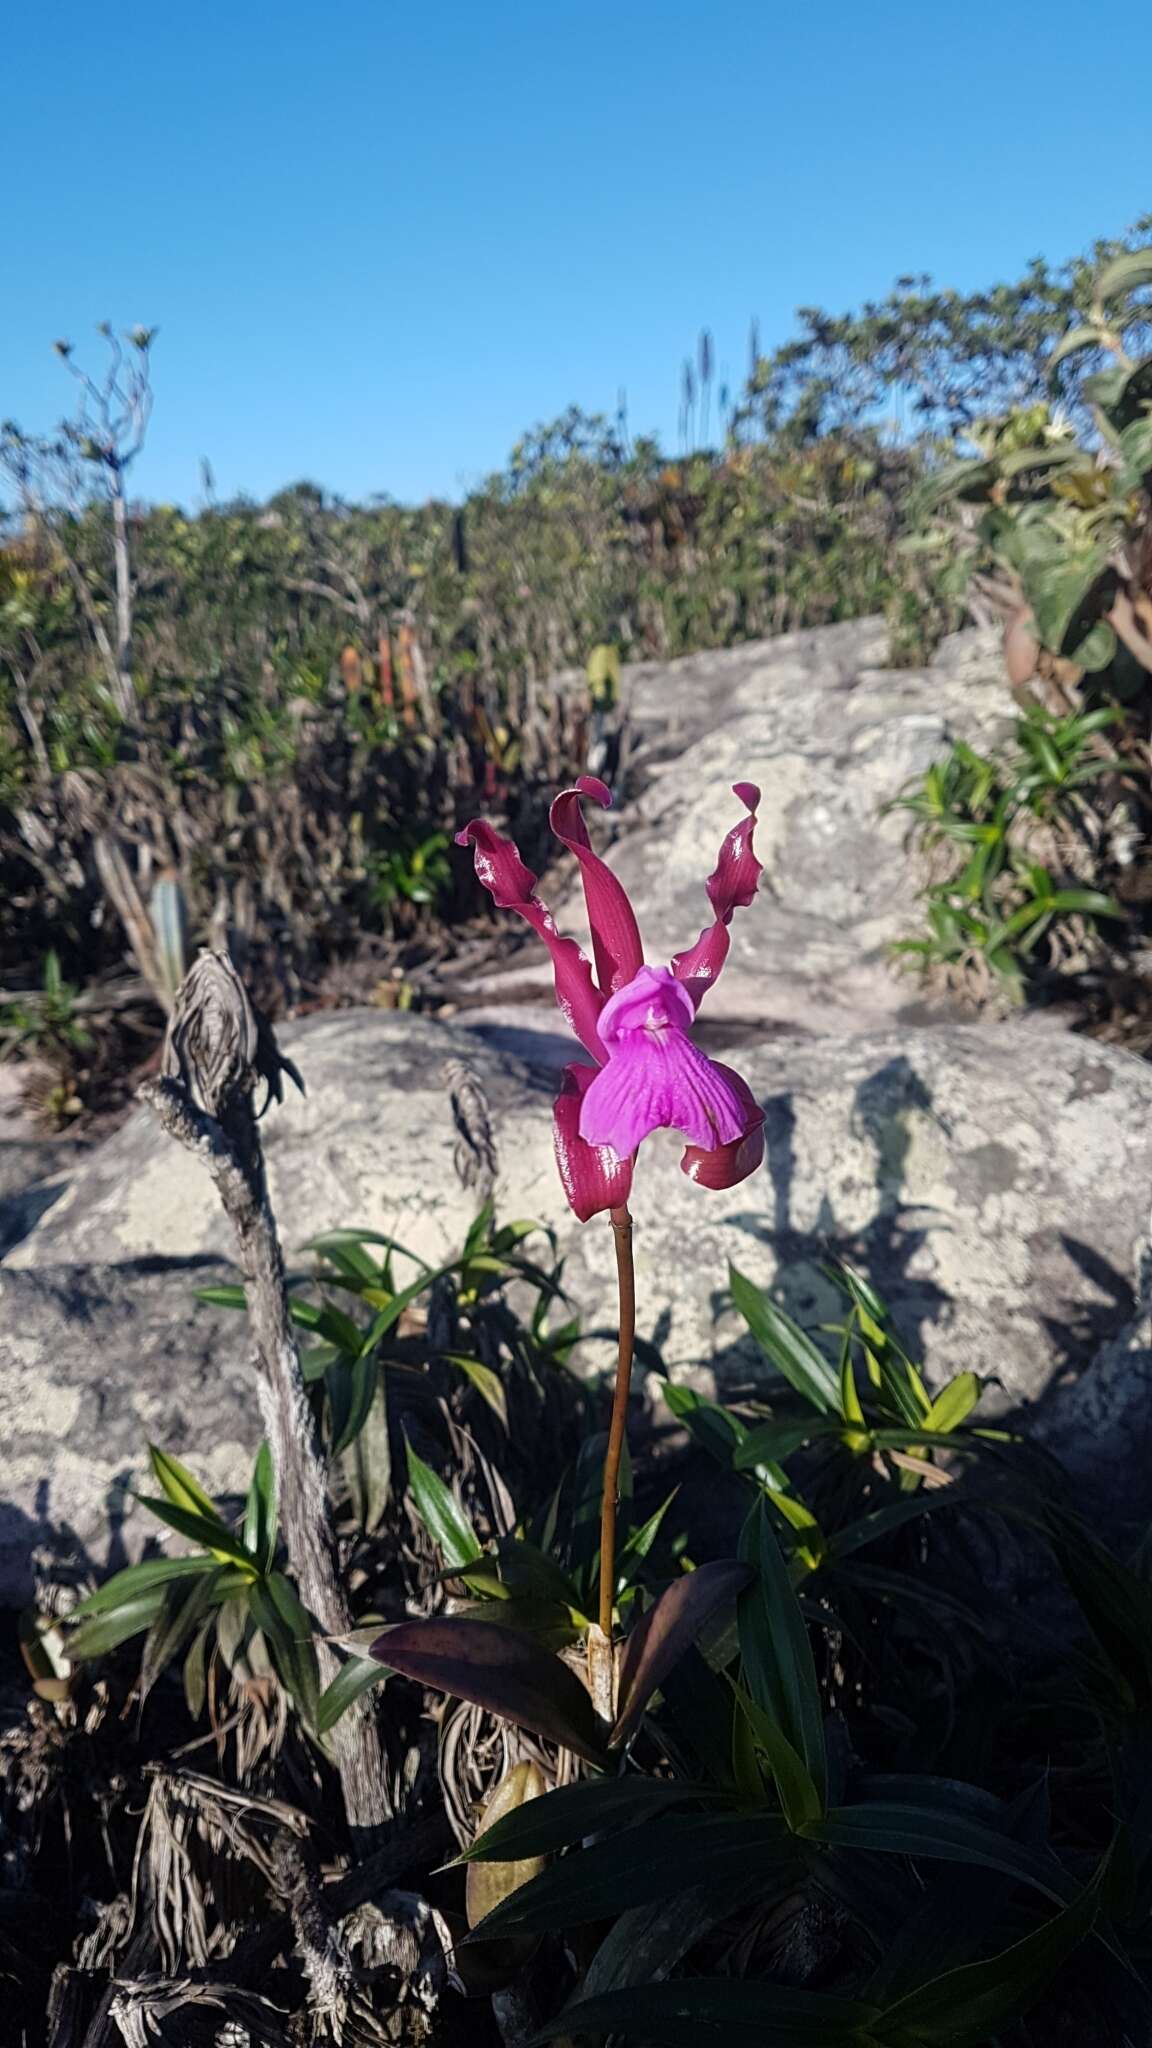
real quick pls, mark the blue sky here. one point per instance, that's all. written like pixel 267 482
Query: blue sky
pixel 381 240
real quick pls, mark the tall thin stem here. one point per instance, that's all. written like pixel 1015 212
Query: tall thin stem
pixel 626 1284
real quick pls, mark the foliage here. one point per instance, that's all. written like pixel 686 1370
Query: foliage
pixel 806 1789
pixel 321 692
pixel 950 358
pixel 1062 536
pixel 807 1813
pixel 1047 527
pixel 225 1598
pixel 46 1018
pixel 285 706
pixel 1010 839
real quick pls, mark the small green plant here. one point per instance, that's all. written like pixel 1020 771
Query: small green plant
pixel 225 1597
pixel 415 875
pixel 381 1347
pixel 47 1021
pixel 1004 838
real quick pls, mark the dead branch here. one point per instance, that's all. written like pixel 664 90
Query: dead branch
pixel 215 1052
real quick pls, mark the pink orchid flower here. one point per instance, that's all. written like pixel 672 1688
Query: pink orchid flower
pixel 634 1020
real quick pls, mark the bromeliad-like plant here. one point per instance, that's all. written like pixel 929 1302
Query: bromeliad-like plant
pixel 634 1021
pixel 1008 838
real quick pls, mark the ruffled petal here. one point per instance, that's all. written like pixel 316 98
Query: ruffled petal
pixel 616 945
pixel 725 1166
pixel 593 1177
pixel 731 887
pixel 512 886
pixel 657 1080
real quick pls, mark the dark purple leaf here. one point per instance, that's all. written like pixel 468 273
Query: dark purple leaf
pixel 658 1642
pixel 499 1669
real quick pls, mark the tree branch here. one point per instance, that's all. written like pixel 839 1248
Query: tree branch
pixel 215 1051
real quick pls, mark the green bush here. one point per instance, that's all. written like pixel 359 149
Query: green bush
pixel 855 1792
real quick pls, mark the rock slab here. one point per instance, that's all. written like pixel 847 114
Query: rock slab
pixel 990 1180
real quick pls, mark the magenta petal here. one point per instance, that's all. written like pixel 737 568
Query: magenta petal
pixel 512 886
pixel 652 1000
pixel 657 1080
pixel 616 943
pixel 725 1166
pixel 731 887
pixel 593 1177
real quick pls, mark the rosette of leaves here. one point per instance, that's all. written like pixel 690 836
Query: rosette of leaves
pixel 225 1597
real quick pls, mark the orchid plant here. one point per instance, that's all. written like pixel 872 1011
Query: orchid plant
pixel 634 1021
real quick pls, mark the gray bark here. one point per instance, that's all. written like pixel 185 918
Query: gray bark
pixel 217 1047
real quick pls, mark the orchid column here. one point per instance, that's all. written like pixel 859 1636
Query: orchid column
pixel 634 1022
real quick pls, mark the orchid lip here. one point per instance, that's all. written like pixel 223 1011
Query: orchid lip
pixel 655 1078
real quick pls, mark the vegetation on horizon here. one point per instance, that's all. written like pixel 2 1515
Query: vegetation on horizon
pixel 264 721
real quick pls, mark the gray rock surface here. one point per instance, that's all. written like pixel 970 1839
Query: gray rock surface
pixel 32 1173
pixel 831 737
pixel 991 1181
pixel 96 1361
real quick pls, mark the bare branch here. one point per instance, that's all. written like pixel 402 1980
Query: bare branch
pixel 216 1051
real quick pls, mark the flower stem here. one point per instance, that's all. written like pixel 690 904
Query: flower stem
pixel 626 1283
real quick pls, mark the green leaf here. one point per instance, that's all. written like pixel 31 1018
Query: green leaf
pixel 953 1404
pixel 849 1398
pixel 114 1625
pixel 184 1609
pixel 731 2012
pixel 352 1384
pixel 260 1512
pixel 214 1536
pixel 574 1811
pixel 353 1235
pixel 769 1442
pixel 776 1653
pixel 968 479
pixel 181 1487
pixel 139 1578
pixel 488 1384
pixel 647 1941
pixel 196 1669
pixel 941 1833
pixel 390 1316
pixel 328 1322
pixel 441 1514
pixel 355 1677
pixel 527 1570
pixel 367 1463
pixel 882 1521
pixel 1116 1602
pixel 287 1629
pixel 714 1428
pixel 662 1857
pixel 786 1345
pixel 967 2005
pixel 229 1296
pixel 1065 584
pixel 799 1796
pixel 640 1541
